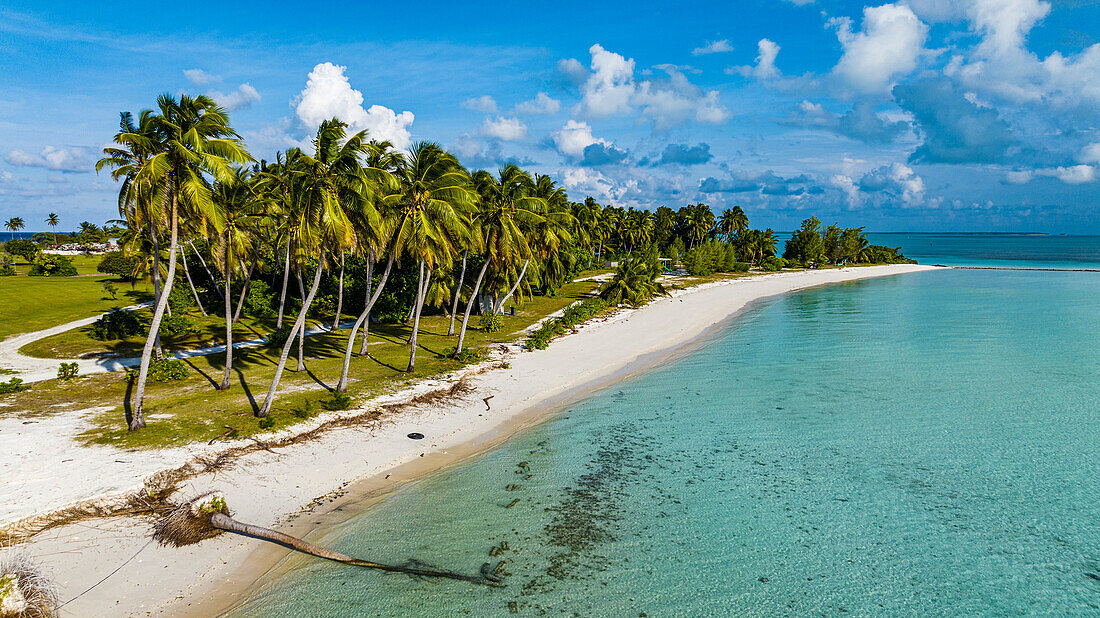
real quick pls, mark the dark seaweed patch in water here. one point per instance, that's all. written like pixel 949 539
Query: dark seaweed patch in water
pixel 588 515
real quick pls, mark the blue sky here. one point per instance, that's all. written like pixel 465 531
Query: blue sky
pixel 926 115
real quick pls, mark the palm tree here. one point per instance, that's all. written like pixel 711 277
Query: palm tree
pixel 14 225
pixel 635 282
pixel 332 183
pixel 431 217
pixel 732 221
pixel 238 209
pixel 53 221
pixel 192 139
pixel 700 221
pixel 506 208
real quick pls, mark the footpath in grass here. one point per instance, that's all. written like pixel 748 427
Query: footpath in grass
pixel 191 410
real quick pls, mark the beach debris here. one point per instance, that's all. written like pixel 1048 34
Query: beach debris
pixel 25 591
pixel 207 515
pixel 415 436
pixel 486 400
pixel 512 503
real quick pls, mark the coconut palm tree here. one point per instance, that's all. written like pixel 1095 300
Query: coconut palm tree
pixel 14 225
pixel 700 221
pixel 431 217
pixel 192 138
pixel 332 182
pixel 53 221
pixel 507 208
pixel 732 221
pixel 238 213
pixel 635 281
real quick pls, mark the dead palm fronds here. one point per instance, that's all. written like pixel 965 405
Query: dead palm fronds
pixel 25 591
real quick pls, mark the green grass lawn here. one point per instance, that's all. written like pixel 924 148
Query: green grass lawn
pixel 33 303
pixel 192 410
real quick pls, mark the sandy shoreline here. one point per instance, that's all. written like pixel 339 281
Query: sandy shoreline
pixel 309 487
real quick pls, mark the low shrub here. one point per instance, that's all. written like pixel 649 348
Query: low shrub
pixel 491 322
pixel 176 325
pixel 117 324
pixel 772 264
pixel 67 371
pixel 468 355
pixel 179 298
pixel 257 303
pixel 277 338
pixel 6 270
pixel 741 267
pixel 22 247
pixel 49 265
pixel 267 422
pixel 571 317
pixel 167 370
pixel 339 401
pixel 13 385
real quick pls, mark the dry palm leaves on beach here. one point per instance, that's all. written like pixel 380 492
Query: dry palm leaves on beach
pixel 207 516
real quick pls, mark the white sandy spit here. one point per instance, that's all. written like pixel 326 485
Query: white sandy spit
pixel 267 488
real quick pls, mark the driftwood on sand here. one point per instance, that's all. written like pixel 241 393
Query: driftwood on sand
pixel 207 516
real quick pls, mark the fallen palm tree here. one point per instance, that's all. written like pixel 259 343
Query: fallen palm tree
pixel 207 516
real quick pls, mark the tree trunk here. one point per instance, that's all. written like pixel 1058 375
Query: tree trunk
pixel 302 332
pixel 187 272
pixel 458 292
pixel 157 291
pixel 522 271
pixel 286 273
pixel 244 291
pixel 198 254
pixel 137 420
pixel 228 321
pixel 342 386
pixel 366 298
pixel 339 296
pixel 469 306
pixel 421 292
pixel 299 324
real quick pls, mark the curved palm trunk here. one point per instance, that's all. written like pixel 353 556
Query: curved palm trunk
pixel 187 272
pixel 458 292
pixel 339 296
pixel 224 522
pixel 366 299
pixel 244 291
pixel 282 293
pixel 342 386
pixel 137 420
pixel 302 332
pixel 157 291
pixel 228 323
pixel 299 324
pixel 198 254
pixel 421 292
pixel 469 306
pixel 522 271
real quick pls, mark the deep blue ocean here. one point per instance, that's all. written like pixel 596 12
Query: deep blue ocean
pixel 918 445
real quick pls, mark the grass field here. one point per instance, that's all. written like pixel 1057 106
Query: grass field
pixel 192 410
pixel 33 303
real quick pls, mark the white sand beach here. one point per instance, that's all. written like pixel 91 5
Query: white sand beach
pixel 291 487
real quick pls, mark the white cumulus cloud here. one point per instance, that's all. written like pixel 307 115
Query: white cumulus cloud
pixel 484 103
pixel 610 87
pixel 240 98
pixel 889 47
pixel 574 137
pixel 328 94
pixel 541 104
pixel 200 77
pixel 64 159
pixel 506 129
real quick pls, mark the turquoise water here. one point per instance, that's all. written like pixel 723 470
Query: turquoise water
pixel 917 445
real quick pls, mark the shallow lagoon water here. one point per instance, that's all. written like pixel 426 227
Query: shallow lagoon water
pixel 917 445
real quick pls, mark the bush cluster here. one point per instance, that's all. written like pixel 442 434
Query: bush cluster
pixel 117 324
pixel 258 301
pixel 22 247
pixel 573 315
pixel 179 297
pixel 468 355
pixel 13 385
pixel 67 371
pixel 167 370
pixel 772 264
pixel 49 265
pixel 6 270
pixel 277 338
pixel 176 325
pixel 491 322
pixel 710 257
